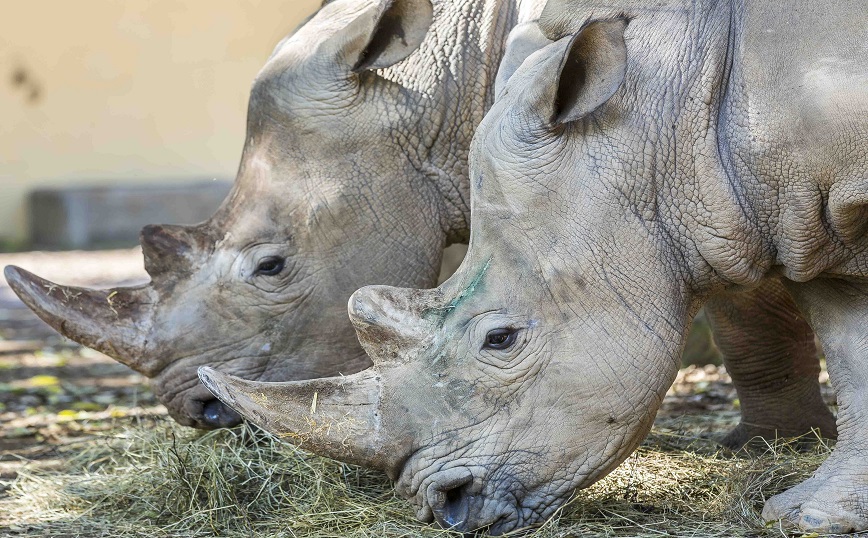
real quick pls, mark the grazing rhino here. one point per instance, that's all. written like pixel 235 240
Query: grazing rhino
pixel 354 172
pixel 657 159
pixel 320 209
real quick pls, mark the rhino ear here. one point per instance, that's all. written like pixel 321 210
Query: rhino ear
pixel 591 70
pixel 398 28
pixel 524 40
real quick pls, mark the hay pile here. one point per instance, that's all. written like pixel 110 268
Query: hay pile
pixel 150 477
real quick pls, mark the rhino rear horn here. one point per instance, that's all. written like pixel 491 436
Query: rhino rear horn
pixel 388 320
pixel 169 249
pixel 114 322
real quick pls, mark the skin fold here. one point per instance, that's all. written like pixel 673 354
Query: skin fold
pixel 647 162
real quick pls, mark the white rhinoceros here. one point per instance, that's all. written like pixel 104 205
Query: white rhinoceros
pixel 351 176
pixel 659 158
pixel 354 172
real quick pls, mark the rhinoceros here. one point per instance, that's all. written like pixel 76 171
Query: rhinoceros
pixel 353 174
pixel 650 160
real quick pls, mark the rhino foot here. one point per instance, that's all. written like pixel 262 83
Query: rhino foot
pixel 805 436
pixel 742 435
pixel 830 504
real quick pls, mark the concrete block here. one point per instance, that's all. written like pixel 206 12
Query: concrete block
pixel 111 216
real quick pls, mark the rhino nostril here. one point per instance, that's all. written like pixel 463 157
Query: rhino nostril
pixel 453 512
pixel 450 503
pixel 217 415
pixel 453 496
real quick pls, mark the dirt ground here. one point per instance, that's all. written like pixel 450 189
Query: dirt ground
pixel 57 397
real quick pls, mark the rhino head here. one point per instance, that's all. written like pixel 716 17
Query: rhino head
pixel 540 364
pixel 332 193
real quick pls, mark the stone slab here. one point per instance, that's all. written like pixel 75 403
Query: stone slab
pixel 112 216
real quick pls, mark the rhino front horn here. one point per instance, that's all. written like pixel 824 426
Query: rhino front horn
pixel 114 322
pixel 337 417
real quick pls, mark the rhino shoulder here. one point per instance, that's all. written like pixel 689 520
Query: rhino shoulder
pixel 796 126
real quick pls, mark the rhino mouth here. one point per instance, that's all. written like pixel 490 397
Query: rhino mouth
pixel 504 495
pixel 216 414
pixel 200 409
pixel 455 504
pixel 462 499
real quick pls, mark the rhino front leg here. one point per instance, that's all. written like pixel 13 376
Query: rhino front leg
pixel 835 498
pixel 768 349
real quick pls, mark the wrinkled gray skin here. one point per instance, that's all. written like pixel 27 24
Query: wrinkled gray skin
pixel 354 172
pixel 380 216
pixel 626 175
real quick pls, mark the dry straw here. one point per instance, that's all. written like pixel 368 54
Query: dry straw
pixel 156 479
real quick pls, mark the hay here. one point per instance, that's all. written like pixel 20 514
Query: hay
pixel 159 479
pixel 152 478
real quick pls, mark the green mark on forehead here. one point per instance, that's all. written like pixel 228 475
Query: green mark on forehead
pixel 471 288
pixel 467 292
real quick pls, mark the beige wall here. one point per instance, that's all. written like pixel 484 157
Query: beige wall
pixel 97 91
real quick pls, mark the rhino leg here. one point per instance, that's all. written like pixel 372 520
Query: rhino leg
pixel 768 349
pixel 835 498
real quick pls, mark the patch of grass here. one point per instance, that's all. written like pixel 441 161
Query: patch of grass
pixel 157 479
pixel 697 490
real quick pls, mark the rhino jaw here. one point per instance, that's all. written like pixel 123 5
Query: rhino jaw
pixel 115 322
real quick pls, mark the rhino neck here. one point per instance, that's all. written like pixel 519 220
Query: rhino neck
pixel 696 199
pixel 679 64
pixel 728 246
pixel 453 77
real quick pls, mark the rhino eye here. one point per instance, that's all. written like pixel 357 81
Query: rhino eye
pixel 500 338
pixel 270 266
